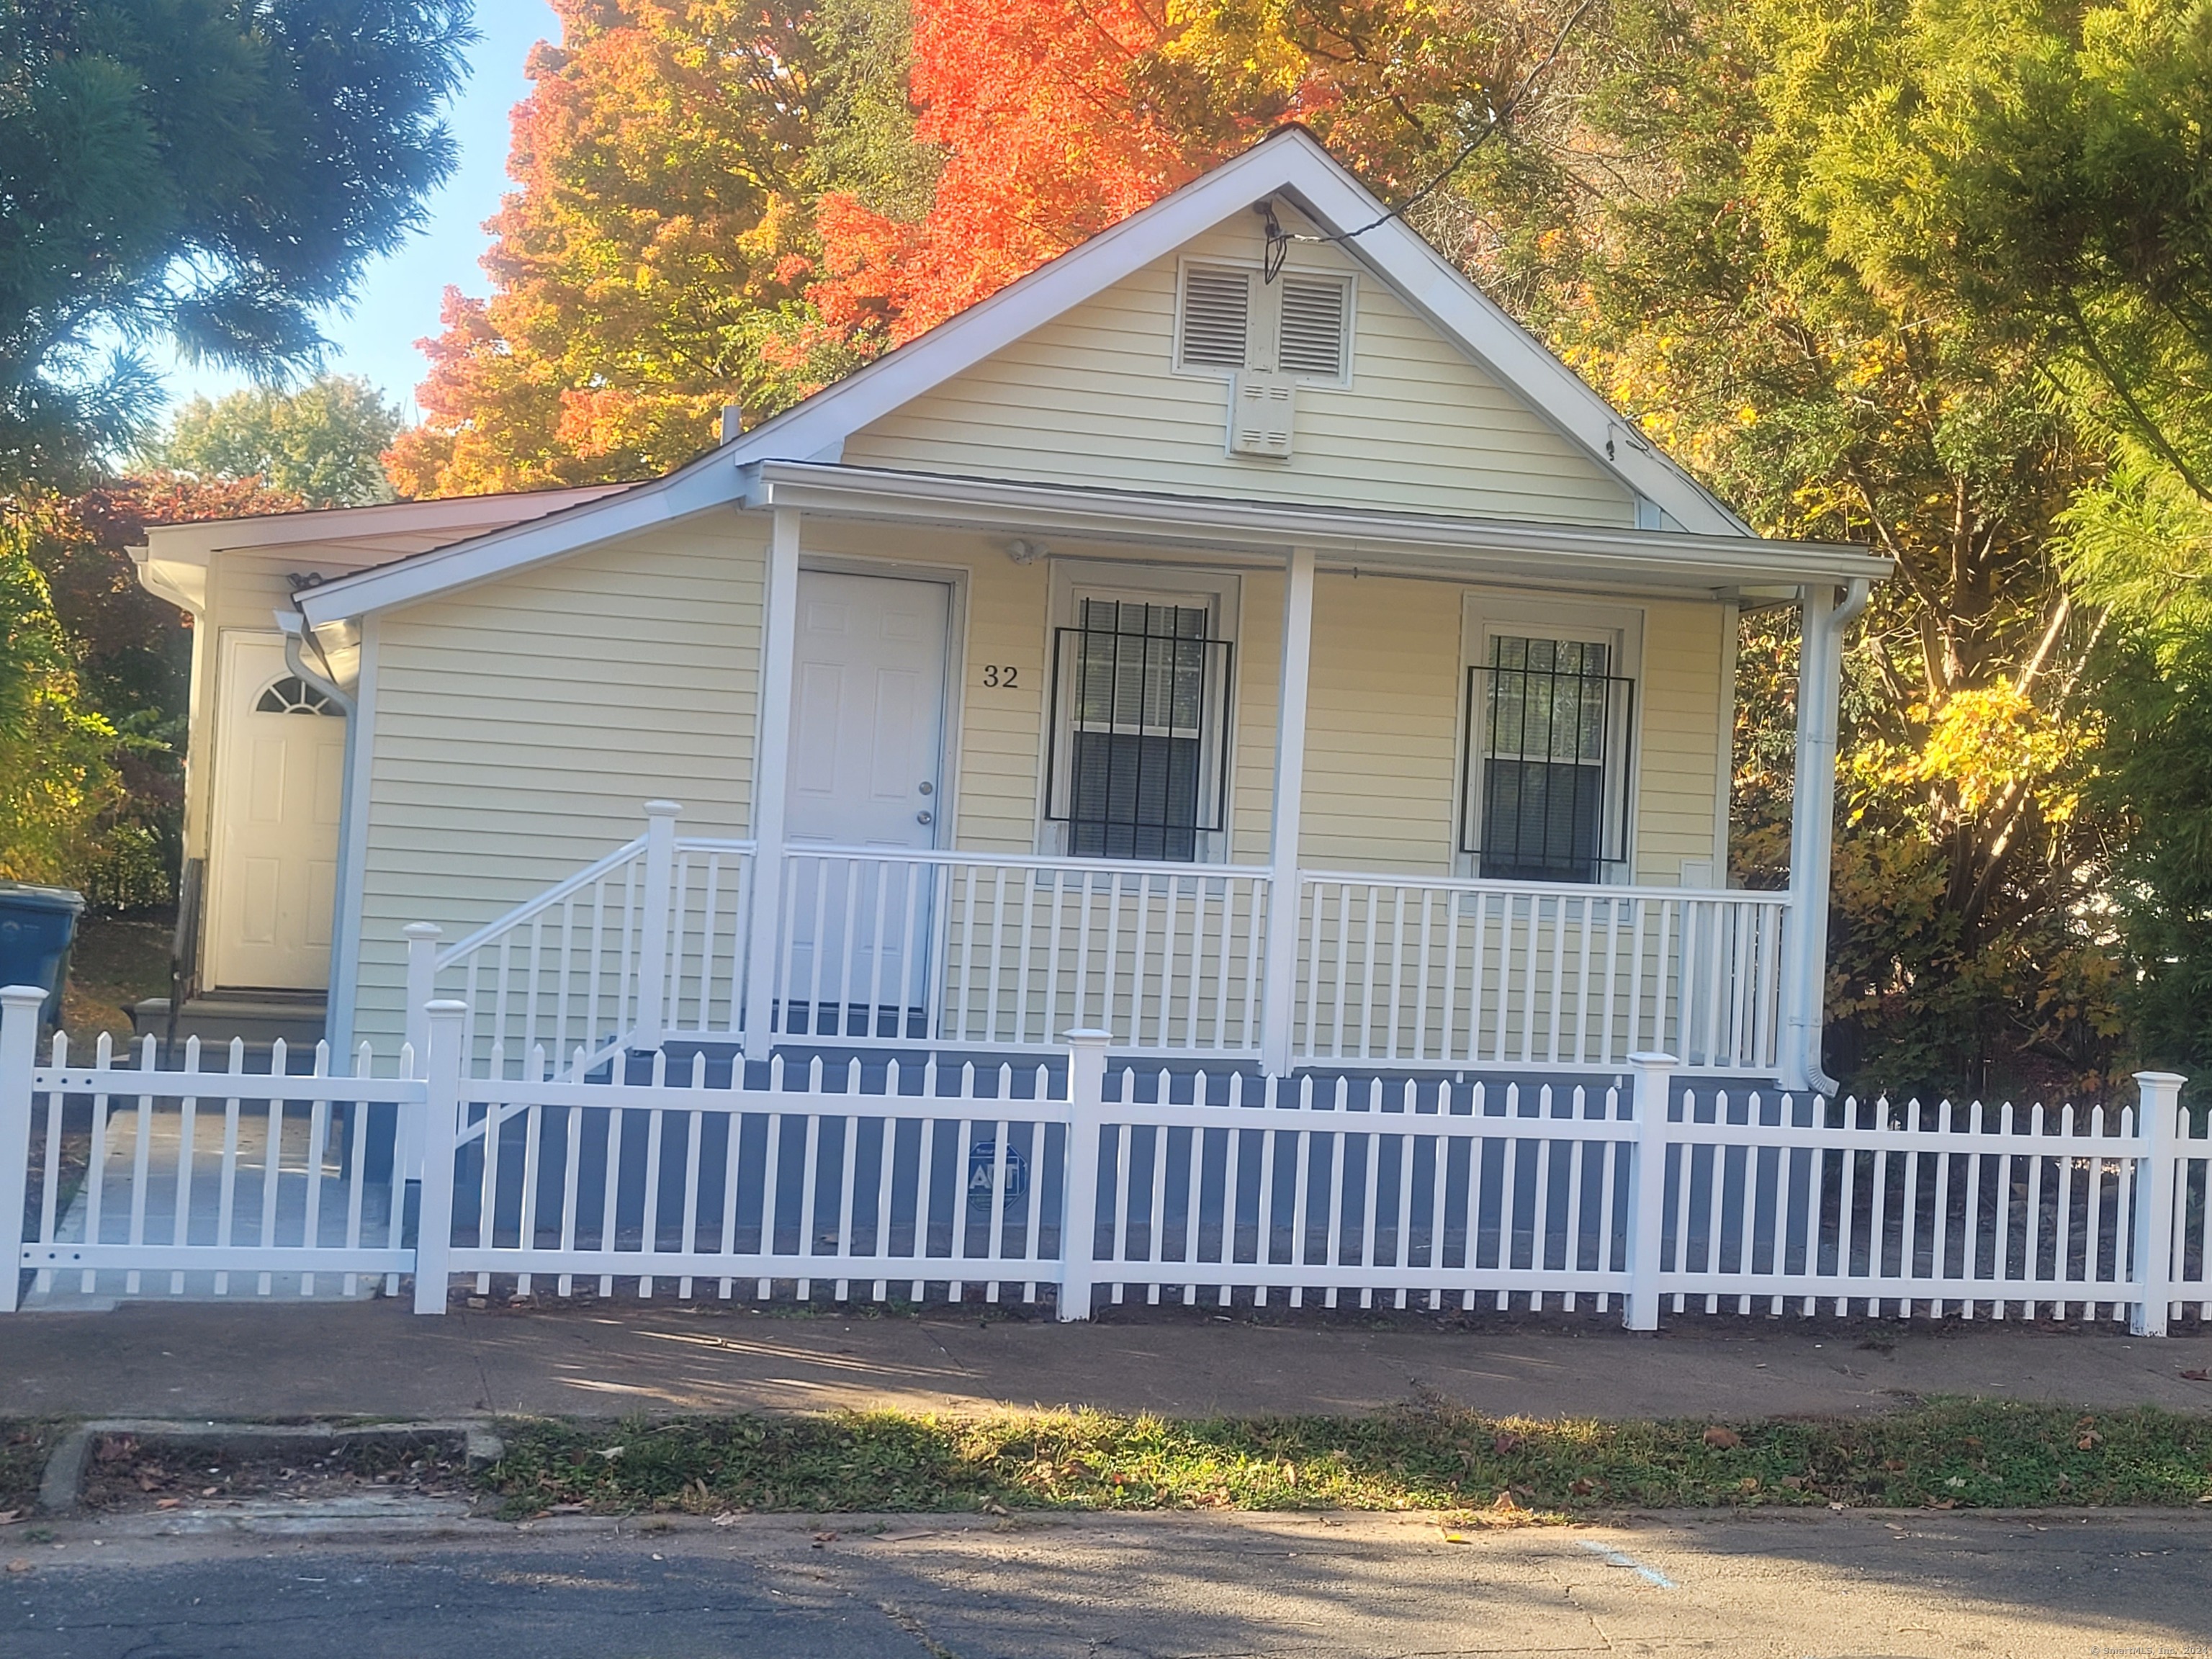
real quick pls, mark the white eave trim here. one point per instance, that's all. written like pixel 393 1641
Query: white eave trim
pixel 594 520
pixel 1552 553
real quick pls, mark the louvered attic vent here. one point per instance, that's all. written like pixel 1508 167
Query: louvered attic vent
pixel 1217 316
pixel 1269 336
pixel 1312 335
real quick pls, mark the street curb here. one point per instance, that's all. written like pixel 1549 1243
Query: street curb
pixel 62 1482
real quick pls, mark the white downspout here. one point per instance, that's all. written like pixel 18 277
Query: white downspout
pixel 1812 827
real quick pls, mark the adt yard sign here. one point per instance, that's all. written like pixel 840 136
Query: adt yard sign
pixel 982 1160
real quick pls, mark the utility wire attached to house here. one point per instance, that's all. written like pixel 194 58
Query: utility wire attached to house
pixel 1278 239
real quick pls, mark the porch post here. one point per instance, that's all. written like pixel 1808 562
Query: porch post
pixel 1813 826
pixel 771 770
pixel 1278 988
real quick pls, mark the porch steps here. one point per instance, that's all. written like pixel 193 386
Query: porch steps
pixel 215 1017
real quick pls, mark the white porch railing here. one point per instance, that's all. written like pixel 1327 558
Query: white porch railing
pixel 993 951
pixel 1401 971
pixel 886 947
pixel 880 1178
pixel 647 943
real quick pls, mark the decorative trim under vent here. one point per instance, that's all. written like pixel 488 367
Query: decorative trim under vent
pixel 1262 413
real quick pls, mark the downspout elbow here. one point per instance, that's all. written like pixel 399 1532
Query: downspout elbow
pixel 293 626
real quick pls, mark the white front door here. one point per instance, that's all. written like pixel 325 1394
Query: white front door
pixel 272 867
pixel 866 755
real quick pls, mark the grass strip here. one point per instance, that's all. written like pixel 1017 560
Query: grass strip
pixel 1946 1454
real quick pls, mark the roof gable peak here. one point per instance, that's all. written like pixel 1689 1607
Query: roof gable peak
pixel 1291 163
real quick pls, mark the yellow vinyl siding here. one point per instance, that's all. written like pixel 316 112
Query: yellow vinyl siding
pixel 1092 397
pixel 1259 695
pixel 1684 702
pixel 520 725
pixel 1380 726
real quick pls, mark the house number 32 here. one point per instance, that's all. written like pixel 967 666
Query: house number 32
pixel 1000 676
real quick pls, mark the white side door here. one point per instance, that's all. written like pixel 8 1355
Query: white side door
pixel 867 754
pixel 272 866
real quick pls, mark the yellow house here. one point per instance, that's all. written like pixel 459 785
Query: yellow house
pixel 1237 636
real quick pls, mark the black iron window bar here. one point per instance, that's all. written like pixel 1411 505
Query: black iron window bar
pixel 1544 796
pixel 1139 724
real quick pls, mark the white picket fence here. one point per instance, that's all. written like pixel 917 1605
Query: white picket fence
pixel 900 1176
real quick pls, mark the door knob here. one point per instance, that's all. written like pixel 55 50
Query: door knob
pixel 925 817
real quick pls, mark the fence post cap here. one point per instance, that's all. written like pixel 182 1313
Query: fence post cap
pixel 2161 1080
pixel 423 930
pixel 446 1008
pixel 662 809
pixel 22 996
pixel 1088 1035
pixel 1650 1059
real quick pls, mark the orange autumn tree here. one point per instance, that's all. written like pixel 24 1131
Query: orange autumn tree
pixel 1045 142
pixel 655 241
pixel 718 203
pixel 1058 118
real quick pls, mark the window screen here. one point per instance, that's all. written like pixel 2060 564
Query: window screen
pixel 1548 801
pixel 1140 723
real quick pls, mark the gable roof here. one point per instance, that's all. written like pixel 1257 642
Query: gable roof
pixel 1289 162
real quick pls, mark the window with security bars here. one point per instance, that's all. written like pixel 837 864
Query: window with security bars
pixel 1140 730
pixel 1547 799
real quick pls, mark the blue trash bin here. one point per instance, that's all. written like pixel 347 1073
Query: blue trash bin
pixel 38 925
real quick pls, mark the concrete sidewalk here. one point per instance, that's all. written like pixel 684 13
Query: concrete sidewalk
pixel 253 1359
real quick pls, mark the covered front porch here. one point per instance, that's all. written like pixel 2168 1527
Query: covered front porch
pixel 1255 945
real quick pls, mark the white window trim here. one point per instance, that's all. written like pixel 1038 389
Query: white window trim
pixel 1071 580
pixel 1263 324
pixel 1486 614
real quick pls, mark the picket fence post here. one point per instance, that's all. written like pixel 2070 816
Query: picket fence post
pixel 422 938
pixel 652 925
pixel 440 1116
pixel 20 1006
pixel 1647 1194
pixel 1078 1193
pixel 2158 1111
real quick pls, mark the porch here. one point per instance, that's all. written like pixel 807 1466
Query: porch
pixel 1457 824
pixel 669 941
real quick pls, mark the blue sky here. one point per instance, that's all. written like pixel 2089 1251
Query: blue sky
pixel 397 302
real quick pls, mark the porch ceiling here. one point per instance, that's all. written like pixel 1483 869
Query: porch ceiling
pixel 1565 555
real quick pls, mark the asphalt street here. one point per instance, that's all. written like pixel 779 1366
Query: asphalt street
pixel 1860 1585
